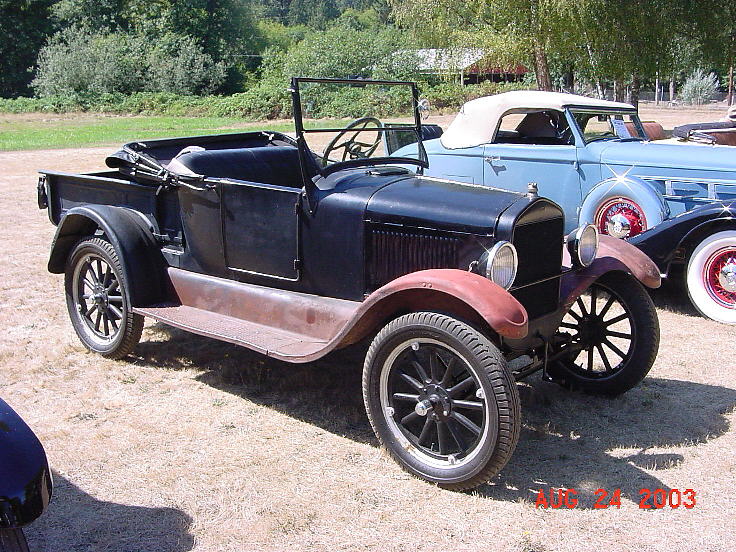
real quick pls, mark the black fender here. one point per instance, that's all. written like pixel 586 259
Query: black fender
pixel 131 236
pixel 672 238
pixel 25 478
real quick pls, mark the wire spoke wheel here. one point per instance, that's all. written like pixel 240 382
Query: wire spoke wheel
pixel 711 276
pixel 620 217
pixel 608 340
pixel 97 302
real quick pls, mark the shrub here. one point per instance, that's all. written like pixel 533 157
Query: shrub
pixel 77 63
pixel 699 87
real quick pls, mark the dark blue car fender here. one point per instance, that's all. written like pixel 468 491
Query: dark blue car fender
pixel 25 478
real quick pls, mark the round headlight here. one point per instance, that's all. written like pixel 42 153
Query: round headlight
pixel 501 264
pixel 583 245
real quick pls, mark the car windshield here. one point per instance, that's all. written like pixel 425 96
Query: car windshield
pixel 349 123
pixel 607 125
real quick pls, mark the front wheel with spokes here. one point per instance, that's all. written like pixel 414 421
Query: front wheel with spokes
pixel 97 301
pixel 441 399
pixel 612 335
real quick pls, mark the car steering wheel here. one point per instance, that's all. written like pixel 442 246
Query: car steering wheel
pixel 352 147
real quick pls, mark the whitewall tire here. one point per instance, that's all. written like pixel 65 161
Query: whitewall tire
pixel 711 277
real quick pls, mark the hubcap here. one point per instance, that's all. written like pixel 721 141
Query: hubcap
pixel 433 402
pixel 621 218
pixel 719 276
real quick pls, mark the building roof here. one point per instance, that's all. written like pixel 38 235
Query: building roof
pixel 478 119
pixel 446 60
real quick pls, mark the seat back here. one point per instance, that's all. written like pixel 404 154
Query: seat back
pixel 277 165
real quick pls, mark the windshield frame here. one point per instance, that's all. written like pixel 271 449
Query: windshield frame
pixel 632 112
pixel 421 162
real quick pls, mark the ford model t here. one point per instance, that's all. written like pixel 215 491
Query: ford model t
pixel 294 251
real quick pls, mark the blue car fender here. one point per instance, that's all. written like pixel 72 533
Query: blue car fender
pixel 627 192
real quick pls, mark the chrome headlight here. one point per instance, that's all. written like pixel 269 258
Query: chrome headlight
pixel 583 245
pixel 500 264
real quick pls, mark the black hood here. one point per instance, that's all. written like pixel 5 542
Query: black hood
pixel 440 204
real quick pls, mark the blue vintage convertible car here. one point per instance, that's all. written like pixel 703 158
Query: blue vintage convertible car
pixel 595 159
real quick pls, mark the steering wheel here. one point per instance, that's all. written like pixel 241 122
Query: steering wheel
pixel 351 146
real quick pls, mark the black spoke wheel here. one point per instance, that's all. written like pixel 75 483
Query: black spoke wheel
pixel 97 301
pixel 441 400
pixel 612 334
pixel 347 141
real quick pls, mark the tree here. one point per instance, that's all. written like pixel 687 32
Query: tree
pixel 24 25
pixel 509 31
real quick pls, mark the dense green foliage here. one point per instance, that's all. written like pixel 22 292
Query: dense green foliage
pixel 83 53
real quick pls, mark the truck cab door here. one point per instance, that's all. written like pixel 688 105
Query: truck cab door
pixel 260 226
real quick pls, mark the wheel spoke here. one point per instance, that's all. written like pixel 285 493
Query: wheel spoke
pixel 106 278
pixel 581 306
pixel 434 366
pixel 426 430
pixel 105 323
pixel 569 325
pixel 90 311
pixel 406 397
pixel 575 315
pixel 442 437
pixel 98 320
pixel 411 381
pixel 98 266
pixel 593 298
pixel 465 421
pixel 456 435
pixel 590 359
pixel 418 367
pixel 607 306
pixel 113 286
pixel 615 349
pixel 604 358
pixel 461 387
pixel 115 299
pixel 409 418
pixel 114 324
pixel 618 318
pixel 449 369
pixel 472 405
pixel 619 335
pixel 116 311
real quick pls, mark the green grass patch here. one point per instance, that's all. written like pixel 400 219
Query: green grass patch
pixel 20 133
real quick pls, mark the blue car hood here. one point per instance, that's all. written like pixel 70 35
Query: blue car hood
pixel 720 159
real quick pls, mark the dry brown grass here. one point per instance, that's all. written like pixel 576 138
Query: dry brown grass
pixel 195 444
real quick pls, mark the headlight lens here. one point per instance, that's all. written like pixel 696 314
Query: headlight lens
pixel 501 264
pixel 583 245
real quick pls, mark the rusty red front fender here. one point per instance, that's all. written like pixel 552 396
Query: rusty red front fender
pixel 613 255
pixel 456 292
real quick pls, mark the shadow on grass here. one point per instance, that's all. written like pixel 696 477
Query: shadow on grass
pixel 78 522
pixel 568 440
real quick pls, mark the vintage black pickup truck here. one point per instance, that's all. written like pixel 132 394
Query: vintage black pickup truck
pixel 259 240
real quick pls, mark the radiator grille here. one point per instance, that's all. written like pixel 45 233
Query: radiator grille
pixel 539 245
pixel 394 253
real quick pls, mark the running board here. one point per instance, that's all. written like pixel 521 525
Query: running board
pixel 288 325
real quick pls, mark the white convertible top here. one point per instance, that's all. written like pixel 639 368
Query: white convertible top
pixel 478 119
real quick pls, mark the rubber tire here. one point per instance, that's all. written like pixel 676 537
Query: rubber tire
pixel 131 329
pixel 698 294
pixel 495 379
pixel 646 343
pixel 13 540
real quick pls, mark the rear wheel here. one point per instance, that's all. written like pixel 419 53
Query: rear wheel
pixel 13 540
pixel 441 400
pixel 612 333
pixel 711 277
pixel 97 301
